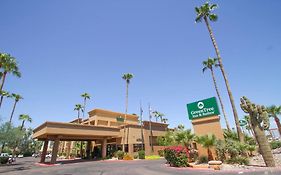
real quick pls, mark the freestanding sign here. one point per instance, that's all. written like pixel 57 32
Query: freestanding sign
pixel 203 108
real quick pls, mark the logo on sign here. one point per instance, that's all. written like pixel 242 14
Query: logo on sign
pixel 200 105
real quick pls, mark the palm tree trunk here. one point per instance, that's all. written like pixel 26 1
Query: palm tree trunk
pixel 3 80
pixel 126 110
pixel 84 107
pixel 236 118
pixel 22 125
pixel 277 121
pixel 14 107
pixel 1 100
pixel 222 106
pixel 264 146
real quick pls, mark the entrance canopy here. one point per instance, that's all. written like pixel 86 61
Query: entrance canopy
pixel 73 132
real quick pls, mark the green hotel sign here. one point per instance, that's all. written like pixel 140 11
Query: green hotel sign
pixel 203 108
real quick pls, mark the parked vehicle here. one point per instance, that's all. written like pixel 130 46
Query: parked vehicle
pixel 35 155
pixel 20 156
pixel 48 156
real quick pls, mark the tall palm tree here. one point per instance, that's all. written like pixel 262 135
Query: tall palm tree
pixel 85 96
pixel 3 94
pixel 24 117
pixel 127 77
pixel 78 108
pixel 209 64
pixel 155 114
pixel 205 12
pixel 9 65
pixel 274 111
pixel 17 98
pixel 207 141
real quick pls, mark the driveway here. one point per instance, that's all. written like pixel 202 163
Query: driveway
pixel 27 166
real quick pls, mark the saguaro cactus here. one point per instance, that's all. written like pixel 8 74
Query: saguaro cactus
pixel 260 121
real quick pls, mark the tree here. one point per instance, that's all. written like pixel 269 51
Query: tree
pixel 4 94
pixel 209 64
pixel 274 111
pixel 164 120
pixel 158 115
pixel 9 65
pixel 167 140
pixel 24 117
pixel 184 137
pixel 78 108
pixel 85 97
pixel 205 12
pixel 207 141
pixel 127 77
pixel 17 98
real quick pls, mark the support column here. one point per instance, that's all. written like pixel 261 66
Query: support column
pixel 44 151
pixel 55 151
pixel 88 149
pixel 103 149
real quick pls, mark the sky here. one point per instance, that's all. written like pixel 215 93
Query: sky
pixel 65 48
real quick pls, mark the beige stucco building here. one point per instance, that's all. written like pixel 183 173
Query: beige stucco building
pixel 103 132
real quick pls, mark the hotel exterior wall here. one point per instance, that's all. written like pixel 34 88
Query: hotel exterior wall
pixel 204 126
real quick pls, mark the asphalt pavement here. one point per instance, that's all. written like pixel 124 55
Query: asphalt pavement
pixel 28 166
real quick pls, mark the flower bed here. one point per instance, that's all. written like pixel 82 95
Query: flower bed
pixel 177 156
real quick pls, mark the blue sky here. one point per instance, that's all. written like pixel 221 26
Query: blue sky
pixel 65 48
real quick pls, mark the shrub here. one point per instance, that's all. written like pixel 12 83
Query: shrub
pixel 238 160
pixel 120 154
pixel 152 157
pixel 177 156
pixel 27 154
pixel 221 150
pixel 4 160
pixel 161 153
pixel 275 144
pixel 127 157
pixel 203 159
pixel 136 156
pixel 141 154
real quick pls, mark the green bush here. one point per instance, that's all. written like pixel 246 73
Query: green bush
pixel 136 156
pixel 120 154
pixel 275 144
pixel 238 160
pixel 4 160
pixel 27 154
pixel 177 156
pixel 203 159
pixel 141 154
pixel 161 153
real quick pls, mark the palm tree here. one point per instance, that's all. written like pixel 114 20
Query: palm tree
pixel 184 137
pixel 209 64
pixel 4 94
pixel 205 12
pixel 164 120
pixel 9 65
pixel 127 77
pixel 274 111
pixel 207 141
pixel 78 108
pixel 85 96
pixel 24 117
pixel 17 98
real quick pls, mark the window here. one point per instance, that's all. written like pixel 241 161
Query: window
pixel 138 147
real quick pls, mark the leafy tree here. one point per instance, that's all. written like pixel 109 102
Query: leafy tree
pixel 274 111
pixel 85 97
pixel 24 117
pixel 207 141
pixel 205 12
pixel 127 77
pixel 78 108
pixel 9 65
pixel 17 98
pixel 164 120
pixel 167 140
pixel 158 115
pixel 210 63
